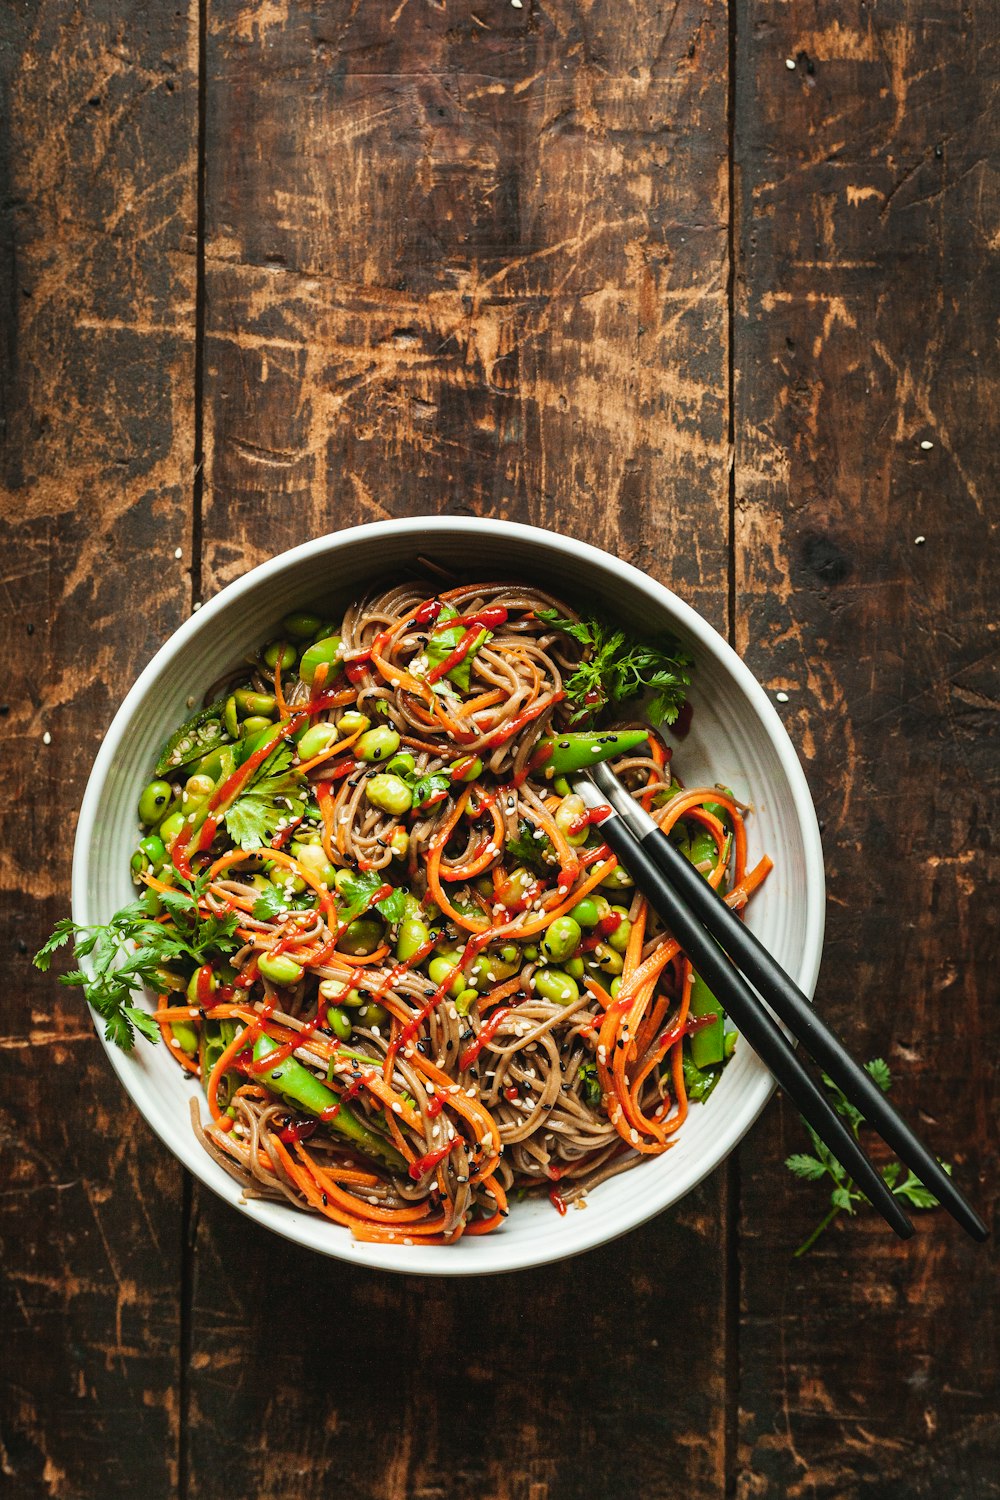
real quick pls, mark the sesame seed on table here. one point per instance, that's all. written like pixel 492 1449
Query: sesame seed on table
pixel 713 289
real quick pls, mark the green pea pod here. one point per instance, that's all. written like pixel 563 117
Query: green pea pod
pixel 203 732
pixel 708 1044
pixel 302 1088
pixel 698 1083
pixel 578 752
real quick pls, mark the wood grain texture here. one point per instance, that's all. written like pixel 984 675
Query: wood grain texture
pixel 97 398
pixel 466 257
pixel 868 294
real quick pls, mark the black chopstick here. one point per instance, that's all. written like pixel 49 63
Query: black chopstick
pixel 698 900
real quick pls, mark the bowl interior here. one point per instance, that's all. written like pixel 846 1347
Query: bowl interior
pixel 735 738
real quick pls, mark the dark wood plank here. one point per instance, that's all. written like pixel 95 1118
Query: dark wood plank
pixel 98 204
pixel 867 298
pixel 466 257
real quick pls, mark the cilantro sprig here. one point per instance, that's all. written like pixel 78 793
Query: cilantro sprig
pixel 844 1196
pixel 275 795
pixel 617 667
pixel 528 850
pixel 130 950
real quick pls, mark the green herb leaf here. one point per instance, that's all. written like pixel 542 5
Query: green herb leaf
pixel 274 797
pixel 270 904
pixel 537 853
pixel 441 643
pixel 805 1166
pixel 359 891
pixel 845 1196
pixel 617 667
pixel 60 935
pixel 587 1075
pixel 431 785
pixel 130 950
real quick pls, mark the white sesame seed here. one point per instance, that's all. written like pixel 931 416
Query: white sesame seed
pixel 927 445
pixel 397 1108
pixel 790 63
pixel 918 541
pixel 196 606
pixel 781 697
pixel 46 738
pixel 178 552
pixel 634 1136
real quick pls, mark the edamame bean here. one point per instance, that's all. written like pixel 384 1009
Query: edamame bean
pixel 202 980
pixel 318 738
pixel 590 911
pixel 281 653
pixel 339 1022
pixel 615 986
pixel 352 722
pixel 570 810
pixel 380 743
pixel 510 953
pixel 154 802
pixel 333 990
pixel 186 1037
pixel 561 940
pixel 362 937
pixel 286 880
pixel 279 968
pixel 465 1001
pixel 575 967
pixel 399 843
pixel 324 652
pixel 171 826
pixel 618 940
pixel 556 985
pixel 256 724
pixel 440 967
pixel 197 788
pixel 608 960
pixel 468 769
pixel 150 854
pixel 372 1014
pixel 248 702
pixel 390 793
pixel 618 879
pixel 412 935
pixel 313 857
pixel 301 626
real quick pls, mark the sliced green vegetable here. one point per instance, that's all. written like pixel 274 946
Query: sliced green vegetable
pixel 580 751
pixel 204 731
pixel 441 643
pixel 708 1044
pixel 293 1082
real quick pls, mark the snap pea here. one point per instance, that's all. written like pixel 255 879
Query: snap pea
pixel 399 843
pixel 197 736
pixel 185 1036
pixel 708 1044
pixel 231 717
pixel 578 751
pixel 293 1082
pixel 171 826
pixel 402 764
pixel 213 1040
pixel 257 724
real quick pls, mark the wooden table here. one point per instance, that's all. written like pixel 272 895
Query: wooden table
pixel 716 291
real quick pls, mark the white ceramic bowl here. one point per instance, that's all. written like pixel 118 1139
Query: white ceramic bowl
pixel 736 738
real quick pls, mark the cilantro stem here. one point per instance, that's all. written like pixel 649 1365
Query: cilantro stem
pixel 821 1228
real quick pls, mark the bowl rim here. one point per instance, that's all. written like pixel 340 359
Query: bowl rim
pixel 758 1089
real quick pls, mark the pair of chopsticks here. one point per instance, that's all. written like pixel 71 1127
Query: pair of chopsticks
pixel 727 955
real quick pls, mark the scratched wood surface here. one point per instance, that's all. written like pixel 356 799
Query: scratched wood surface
pixel 273 268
